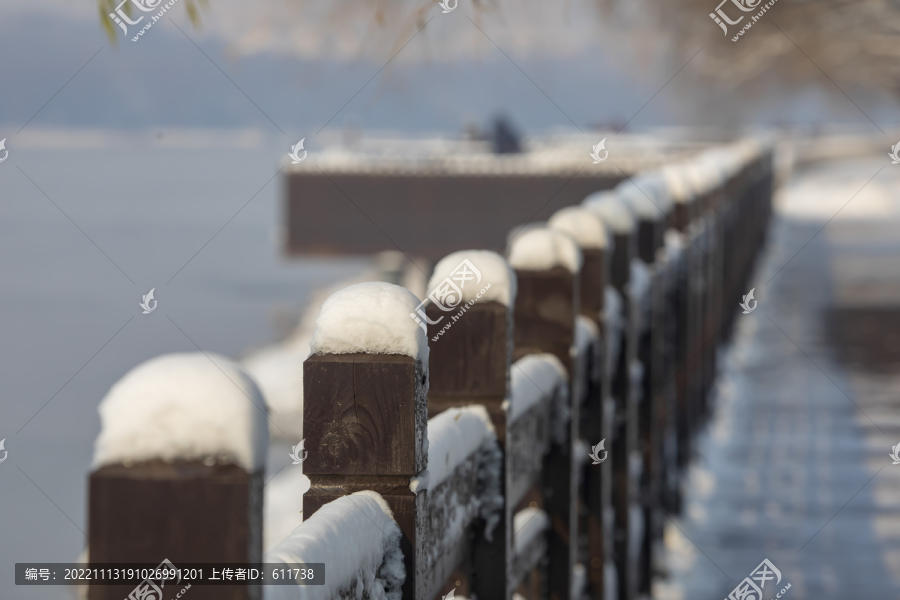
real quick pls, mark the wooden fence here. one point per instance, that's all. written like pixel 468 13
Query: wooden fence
pixel 526 428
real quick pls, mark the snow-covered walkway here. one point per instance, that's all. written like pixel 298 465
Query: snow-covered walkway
pixel 794 465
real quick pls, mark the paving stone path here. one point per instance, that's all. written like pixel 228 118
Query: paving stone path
pixel 794 464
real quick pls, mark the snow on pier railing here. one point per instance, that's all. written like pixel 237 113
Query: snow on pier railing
pixel 359 542
pixel 612 210
pixel 538 394
pixel 188 406
pixel 535 378
pixel 474 275
pixel 582 225
pixel 548 373
pixel 180 458
pixel 372 318
pixel 463 481
pixel 540 248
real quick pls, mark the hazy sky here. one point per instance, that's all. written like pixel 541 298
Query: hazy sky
pixel 286 71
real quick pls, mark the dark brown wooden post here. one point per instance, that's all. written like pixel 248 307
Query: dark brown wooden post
pixel 684 210
pixel 194 496
pixel 548 265
pixel 617 217
pixel 365 414
pixel 650 202
pixel 470 364
pixel 590 233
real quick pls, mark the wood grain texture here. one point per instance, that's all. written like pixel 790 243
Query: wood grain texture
pixel 184 511
pixel 364 414
pixel 546 305
pixel 594 277
pixel 472 358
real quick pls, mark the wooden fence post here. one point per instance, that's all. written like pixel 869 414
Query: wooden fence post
pixel 179 470
pixel 470 328
pixel 548 265
pixel 647 198
pixel 617 217
pixel 365 410
pixel 684 211
pixel 590 234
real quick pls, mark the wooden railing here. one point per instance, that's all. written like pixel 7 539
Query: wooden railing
pixel 474 420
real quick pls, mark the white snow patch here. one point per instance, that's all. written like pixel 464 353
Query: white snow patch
pixel 278 369
pixel 639 290
pixel 646 195
pixel 824 190
pixel 373 318
pixel 584 226
pixel 586 333
pixel 542 249
pixel 183 406
pixel 534 378
pixel 528 524
pixel 357 537
pixel 283 505
pixel 675 244
pixel 453 436
pixel 494 271
pixel 587 365
pixel 420 482
pixel 678 183
pixel 579 581
pixel 279 372
pixel 612 210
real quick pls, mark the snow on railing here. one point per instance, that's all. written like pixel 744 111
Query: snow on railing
pixel 357 539
pixel 586 357
pixel 179 460
pixel 190 407
pixel 463 482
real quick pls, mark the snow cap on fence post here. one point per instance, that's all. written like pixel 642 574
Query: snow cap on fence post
pixel 185 406
pixel 548 264
pixel 613 211
pixel 178 463
pixel 649 201
pixel 470 327
pixel 469 309
pixel 590 233
pixel 365 407
pixel 682 193
pixel 370 318
pixel 548 267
